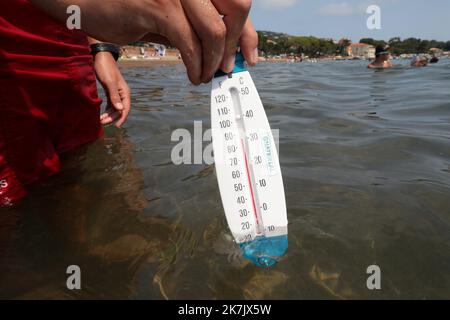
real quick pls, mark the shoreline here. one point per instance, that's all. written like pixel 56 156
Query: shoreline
pixel 171 60
pixel 134 56
pixel 132 63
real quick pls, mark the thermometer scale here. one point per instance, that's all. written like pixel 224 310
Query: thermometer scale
pixel 247 167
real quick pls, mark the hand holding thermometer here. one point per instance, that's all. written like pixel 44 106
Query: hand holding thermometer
pixel 247 167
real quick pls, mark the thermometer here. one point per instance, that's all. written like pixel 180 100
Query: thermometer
pixel 247 167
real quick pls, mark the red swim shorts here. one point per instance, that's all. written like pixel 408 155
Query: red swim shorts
pixel 48 96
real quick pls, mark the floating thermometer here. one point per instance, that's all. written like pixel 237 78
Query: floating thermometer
pixel 247 167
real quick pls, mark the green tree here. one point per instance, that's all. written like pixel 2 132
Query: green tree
pixel 394 40
pixel 271 43
pixel 373 42
pixel 342 46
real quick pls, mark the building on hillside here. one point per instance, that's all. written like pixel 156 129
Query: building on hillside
pixel 436 51
pixel 361 50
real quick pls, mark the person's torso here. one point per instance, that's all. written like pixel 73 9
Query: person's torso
pixel 27 30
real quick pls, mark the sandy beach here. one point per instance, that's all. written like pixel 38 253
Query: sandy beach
pixel 132 56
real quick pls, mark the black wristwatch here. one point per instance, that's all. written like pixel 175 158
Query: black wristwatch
pixel 106 47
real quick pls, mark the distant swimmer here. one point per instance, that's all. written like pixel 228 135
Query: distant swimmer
pixel 382 57
pixel 419 61
pixel 434 60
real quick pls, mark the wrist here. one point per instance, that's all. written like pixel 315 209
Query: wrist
pixel 105 48
pixel 101 56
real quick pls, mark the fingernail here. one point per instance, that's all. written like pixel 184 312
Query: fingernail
pixel 228 63
pixel 119 106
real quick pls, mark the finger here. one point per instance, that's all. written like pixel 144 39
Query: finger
pixel 235 14
pixel 210 28
pixel 122 118
pixel 156 38
pixel 109 117
pixel 112 92
pixel 249 43
pixel 126 100
pixel 176 27
pixel 109 113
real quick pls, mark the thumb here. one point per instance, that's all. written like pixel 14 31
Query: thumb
pixel 114 96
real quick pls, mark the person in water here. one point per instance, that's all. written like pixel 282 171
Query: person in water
pixel 382 58
pixel 434 59
pixel 419 61
pixel 49 102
